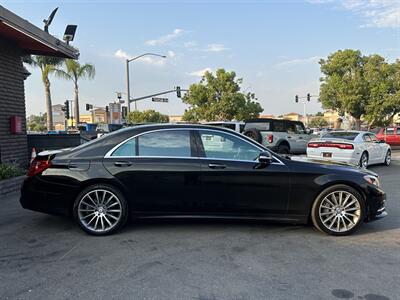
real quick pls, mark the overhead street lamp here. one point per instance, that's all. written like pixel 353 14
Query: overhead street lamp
pixel 128 93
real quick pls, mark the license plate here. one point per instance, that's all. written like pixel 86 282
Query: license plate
pixel 326 154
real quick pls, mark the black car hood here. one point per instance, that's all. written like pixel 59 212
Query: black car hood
pixel 332 164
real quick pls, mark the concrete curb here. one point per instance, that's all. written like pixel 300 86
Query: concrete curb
pixel 11 185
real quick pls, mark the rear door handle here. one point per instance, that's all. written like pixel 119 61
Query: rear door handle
pixel 123 163
pixel 216 166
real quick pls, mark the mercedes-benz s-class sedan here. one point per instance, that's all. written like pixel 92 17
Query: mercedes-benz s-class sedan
pixel 155 171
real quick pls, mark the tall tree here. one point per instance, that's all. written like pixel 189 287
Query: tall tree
pixel 343 86
pixel 47 65
pixel 218 97
pixel 146 116
pixel 73 71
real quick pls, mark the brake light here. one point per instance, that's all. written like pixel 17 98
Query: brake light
pixel 38 166
pixel 270 138
pixel 331 145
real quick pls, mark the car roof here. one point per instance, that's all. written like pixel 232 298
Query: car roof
pixel 260 120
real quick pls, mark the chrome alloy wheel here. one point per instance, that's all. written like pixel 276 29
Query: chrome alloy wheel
pixel 388 158
pixel 364 161
pixel 340 211
pixel 99 210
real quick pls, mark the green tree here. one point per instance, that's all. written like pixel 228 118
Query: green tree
pixel 383 81
pixel 219 98
pixel 318 122
pixel 319 114
pixel 37 123
pixel 47 66
pixel 73 71
pixel 146 116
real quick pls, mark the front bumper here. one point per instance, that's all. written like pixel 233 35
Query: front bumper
pixel 376 203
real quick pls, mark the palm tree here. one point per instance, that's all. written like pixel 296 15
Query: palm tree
pixel 47 65
pixel 74 71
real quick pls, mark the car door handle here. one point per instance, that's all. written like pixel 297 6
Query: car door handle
pixel 289 137
pixel 123 163
pixel 216 166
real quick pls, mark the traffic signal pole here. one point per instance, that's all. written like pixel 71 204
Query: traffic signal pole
pixel 308 98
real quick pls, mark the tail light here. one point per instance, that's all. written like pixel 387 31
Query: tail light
pixel 38 166
pixel 331 145
pixel 270 138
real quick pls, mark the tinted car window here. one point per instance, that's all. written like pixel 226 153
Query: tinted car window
pixel 126 149
pixel 279 126
pixel 165 143
pixel 366 138
pixel 341 135
pixel 389 131
pixel 226 146
pixel 373 137
pixel 398 130
pixel 266 126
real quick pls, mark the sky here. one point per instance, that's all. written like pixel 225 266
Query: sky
pixel 274 46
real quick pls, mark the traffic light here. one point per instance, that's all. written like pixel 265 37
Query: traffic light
pixel 107 108
pixel 296 98
pixel 178 92
pixel 89 106
pixel 66 109
pixel 308 97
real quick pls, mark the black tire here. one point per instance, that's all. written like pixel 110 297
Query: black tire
pixel 253 134
pixel 283 149
pixel 107 190
pixel 324 227
pixel 388 158
pixel 364 156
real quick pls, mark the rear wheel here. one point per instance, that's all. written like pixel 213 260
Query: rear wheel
pixel 363 160
pixel 338 210
pixel 388 158
pixel 283 149
pixel 100 209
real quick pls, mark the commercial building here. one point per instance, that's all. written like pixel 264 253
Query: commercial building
pixel 19 38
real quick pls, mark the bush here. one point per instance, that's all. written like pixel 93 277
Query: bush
pixel 9 171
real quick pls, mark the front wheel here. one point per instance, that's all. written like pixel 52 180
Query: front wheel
pixel 388 158
pixel 338 210
pixel 363 160
pixel 100 209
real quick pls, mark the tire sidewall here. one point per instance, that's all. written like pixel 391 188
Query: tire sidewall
pixel 124 206
pixel 361 158
pixel 283 149
pixel 386 157
pixel 315 209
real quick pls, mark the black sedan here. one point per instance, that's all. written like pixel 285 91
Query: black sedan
pixel 174 171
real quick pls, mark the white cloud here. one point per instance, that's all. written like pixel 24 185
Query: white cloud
pixel 298 61
pixel 190 44
pixel 171 54
pixel 200 73
pixel 165 38
pixel 376 13
pixel 150 60
pixel 215 48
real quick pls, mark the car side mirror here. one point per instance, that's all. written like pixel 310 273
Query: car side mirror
pixel 309 131
pixel 382 142
pixel 265 158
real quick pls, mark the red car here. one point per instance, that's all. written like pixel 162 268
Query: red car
pixel 391 135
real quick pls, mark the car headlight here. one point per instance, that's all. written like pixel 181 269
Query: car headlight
pixel 372 180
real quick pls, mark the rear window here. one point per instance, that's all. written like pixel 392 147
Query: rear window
pixel 389 131
pixel 341 135
pixel 265 126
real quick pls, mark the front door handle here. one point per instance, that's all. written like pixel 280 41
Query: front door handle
pixel 123 163
pixel 216 166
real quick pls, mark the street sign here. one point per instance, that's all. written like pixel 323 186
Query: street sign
pixel 155 99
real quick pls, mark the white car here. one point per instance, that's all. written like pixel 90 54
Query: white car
pixel 234 125
pixel 353 147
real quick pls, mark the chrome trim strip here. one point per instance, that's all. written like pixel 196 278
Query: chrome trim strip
pixel 108 154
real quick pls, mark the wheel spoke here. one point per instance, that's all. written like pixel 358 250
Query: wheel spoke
pixel 334 199
pixel 351 221
pixel 346 199
pixel 96 210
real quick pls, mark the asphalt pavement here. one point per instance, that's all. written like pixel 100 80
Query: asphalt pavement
pixel 48 257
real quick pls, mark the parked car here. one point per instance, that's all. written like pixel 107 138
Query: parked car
pixel 234 125
pixel 391 135
pixel 353 147
pixel 171 171
pixel 281 136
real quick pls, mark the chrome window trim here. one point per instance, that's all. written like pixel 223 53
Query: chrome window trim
pixel 108 154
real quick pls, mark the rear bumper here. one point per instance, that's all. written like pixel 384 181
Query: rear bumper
pixel 348 157
pixel 43 201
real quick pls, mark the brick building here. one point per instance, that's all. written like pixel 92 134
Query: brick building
pixel 18 38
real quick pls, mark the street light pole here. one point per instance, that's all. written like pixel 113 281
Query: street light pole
pixel 128 92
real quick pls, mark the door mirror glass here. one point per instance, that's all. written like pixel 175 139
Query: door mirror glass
pixel 265 158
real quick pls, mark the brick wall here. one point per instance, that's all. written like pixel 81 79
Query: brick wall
pixel 13 147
